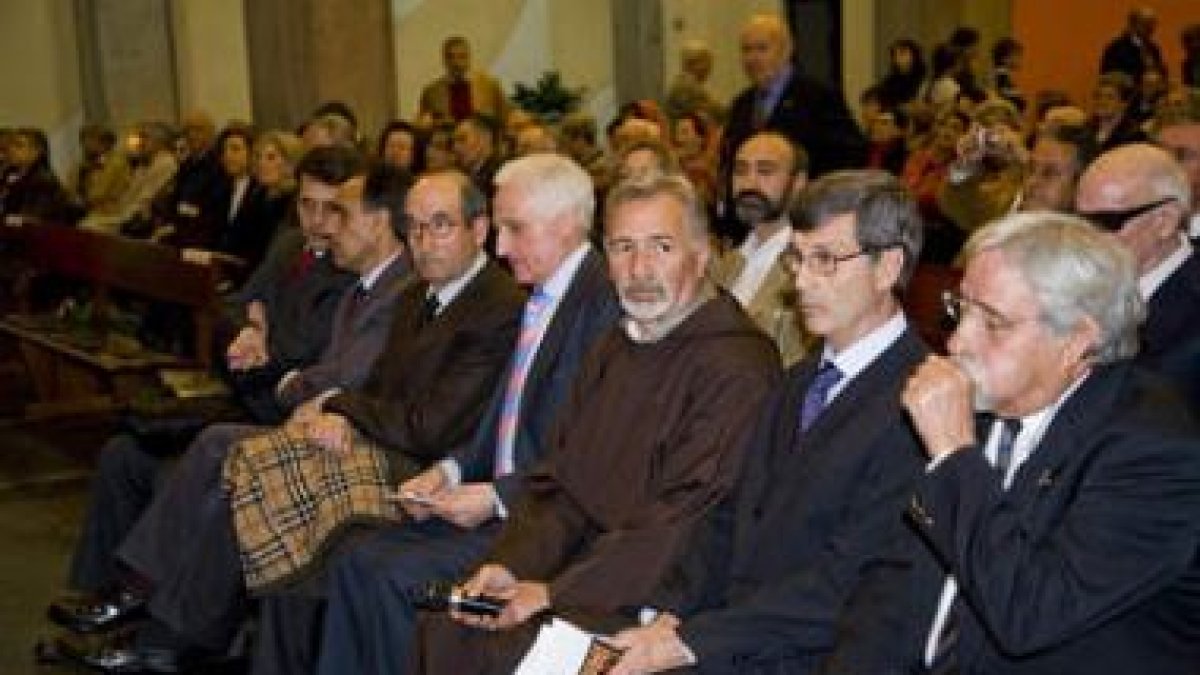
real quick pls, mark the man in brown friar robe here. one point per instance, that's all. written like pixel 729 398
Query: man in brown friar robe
pixel 648 440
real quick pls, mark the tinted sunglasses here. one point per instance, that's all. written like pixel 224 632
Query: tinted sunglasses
pixel 1113 221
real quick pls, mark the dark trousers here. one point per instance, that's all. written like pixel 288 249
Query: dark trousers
pixel 185 546
pixel 370 620
pixel 125 482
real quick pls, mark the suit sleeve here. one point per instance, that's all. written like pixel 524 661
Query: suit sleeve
pixel 346 362
pixel 800 611
pixel 1127 531
pixel 430 419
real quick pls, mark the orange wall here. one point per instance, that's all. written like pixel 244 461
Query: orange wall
pixel 1064 39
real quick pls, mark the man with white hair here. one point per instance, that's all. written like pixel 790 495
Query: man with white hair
pixel 542 213
pixel 1059 533
pixel 1141 195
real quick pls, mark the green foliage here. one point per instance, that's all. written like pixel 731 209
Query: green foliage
pixel 549 99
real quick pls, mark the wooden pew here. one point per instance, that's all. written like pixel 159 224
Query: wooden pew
pixel 81 367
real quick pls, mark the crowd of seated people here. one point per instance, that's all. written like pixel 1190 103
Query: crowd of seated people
pixel 662 381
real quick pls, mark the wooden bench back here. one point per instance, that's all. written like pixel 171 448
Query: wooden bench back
pixel 140 268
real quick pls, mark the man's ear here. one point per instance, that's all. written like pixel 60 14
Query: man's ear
pixel 888 268
pixel 1082 344
pixel 479 228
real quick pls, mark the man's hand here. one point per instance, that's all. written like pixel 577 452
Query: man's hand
pixel 651 648
pixel 939 398
pixel 247 350
pixel 426 485
pixel 467 506
pixel 523 598
pixel 332 432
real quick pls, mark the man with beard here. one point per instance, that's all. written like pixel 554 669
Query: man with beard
pixel 649 438
pixel 763 582
pixel 768 172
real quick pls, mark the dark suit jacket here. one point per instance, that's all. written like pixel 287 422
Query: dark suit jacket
pixel 1171 332
pixel 300 302
pixel 768 575
pixel 429 388
pixel 360 328
pixel 1123 55
pixel 812 115
pixel 1088 563
pixel 587 310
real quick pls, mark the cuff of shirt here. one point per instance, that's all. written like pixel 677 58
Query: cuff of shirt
pixel 501 512
pixel 452 471
pixel 285 381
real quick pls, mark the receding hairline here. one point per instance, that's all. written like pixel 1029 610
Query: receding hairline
pixel 771 25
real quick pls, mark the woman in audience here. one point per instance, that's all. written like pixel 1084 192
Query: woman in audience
pixel 905 76
pixel 925 173
pixel 439 149
pixel 1112 120
pixel 886 136
pixel 29 190
pixel 1006 60
pixel 402 147
pixel 260 192
pixel 690 139
pixel 943 86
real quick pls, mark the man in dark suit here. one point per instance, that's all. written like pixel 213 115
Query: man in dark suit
pixel 1061 534
pixel 543 214
pixel 288 310
pixel 781 99
pixel 1142 195
pixel 445 347
pixel 1134 51
pixel 761 587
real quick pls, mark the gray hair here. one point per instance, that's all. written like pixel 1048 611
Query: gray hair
pixel 885 213
pixel 1075 272
pixel 654 184
pixel 557 186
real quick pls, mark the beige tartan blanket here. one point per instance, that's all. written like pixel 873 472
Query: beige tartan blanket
pixel 290 499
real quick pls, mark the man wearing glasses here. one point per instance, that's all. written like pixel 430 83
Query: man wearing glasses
pixel 1058 532
pixel 761 587
pixel 1141 195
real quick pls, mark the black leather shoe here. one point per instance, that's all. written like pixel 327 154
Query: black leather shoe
pixel 101 614
pixel 110 656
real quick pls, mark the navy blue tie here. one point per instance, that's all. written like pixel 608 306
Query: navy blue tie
pixel 817 396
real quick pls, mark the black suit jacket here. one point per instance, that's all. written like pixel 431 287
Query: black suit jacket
pixel 588 308
pixel 1171 333
pixel 812 114
pixel 430 387
pixel 767 577
pixel 1123 55
pixel 1088 563
pixel 300 304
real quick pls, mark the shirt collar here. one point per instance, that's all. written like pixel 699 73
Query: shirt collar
pixel 557 284
pixel 448 292
pixel 854 359
pixel 1152 280
pixel 367 281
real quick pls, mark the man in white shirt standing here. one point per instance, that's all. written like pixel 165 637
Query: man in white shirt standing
pixel 768 172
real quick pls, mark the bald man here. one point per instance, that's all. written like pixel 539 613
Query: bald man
pixel 813 115
pixel 1141 195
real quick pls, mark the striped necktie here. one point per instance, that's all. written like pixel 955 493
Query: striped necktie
pixel 532 325
pixel 816 398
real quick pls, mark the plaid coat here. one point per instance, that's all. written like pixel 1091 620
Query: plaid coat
pixel 290 499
